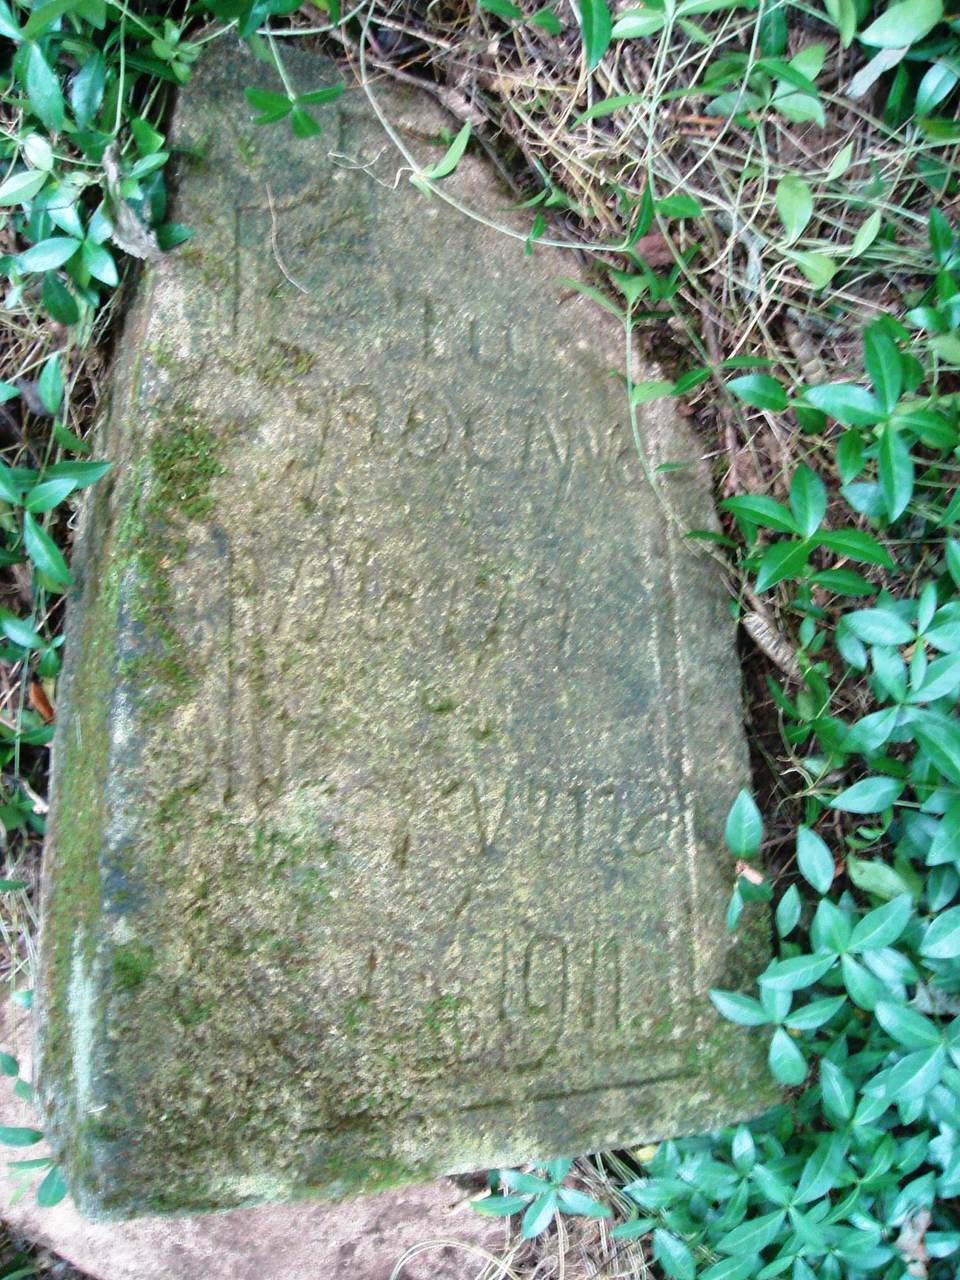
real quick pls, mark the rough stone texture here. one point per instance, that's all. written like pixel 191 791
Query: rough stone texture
pixel 360 1239
pixel 399 727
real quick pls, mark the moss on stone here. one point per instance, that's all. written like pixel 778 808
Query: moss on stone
pixel 133 962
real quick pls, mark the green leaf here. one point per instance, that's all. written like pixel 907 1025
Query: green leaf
pixel 760 391
pixel 876 877
pixel 787 1063
pixel 443 168
pixel 761 510
pixel 780 561
pixel 673 1255
pixel 744 829
pixel 731 1269
pixel 99 262
pixel 788 912
pixel 939 80
pixel 869 795
pixel 81 473
pixel 879 626
pixel 743 1010
pixel 815 1014
pixel 883 364
pixel 852 405
pixel 940 739
pixel 607 106
pixel 941 941
pixel 548 21
pixel 896 471
pixel 637 23
pixel 43 90
pixel 500 1206
pixel 268 102
pixel 837 1091
pixel 908 1026
pixel 912 1077
pixel 21 186
pixel 841 161
pixel 503 9
pixel 49 254
pixel 882 926
pixel 814 860
pixel 302 123
pixel 808 499
pixel 319 97
pixel 539 1215
pixel 794 205
pixel 86 89
pixel 651 389
pixel 52 1189
pixel 752 1236
pixel 866 234
pixel 854 544
pixel 796 972
pixel 49 494
pixel 843 14
pixel 903 24
pixel 9 1065
pixel 818 268
pixel 597 28
pixel 527 1183
pixel 50 384
pixel 570 1201
pixel 44 552
pixel 15 1137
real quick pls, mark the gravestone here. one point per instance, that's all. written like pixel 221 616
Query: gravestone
pixel 399 724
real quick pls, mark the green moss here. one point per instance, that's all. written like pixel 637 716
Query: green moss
pixel 133 962
pixel 185 457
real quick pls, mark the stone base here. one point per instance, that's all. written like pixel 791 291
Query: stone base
pixel 362 1239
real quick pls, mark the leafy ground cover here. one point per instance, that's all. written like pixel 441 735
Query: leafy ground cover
pixel 766 194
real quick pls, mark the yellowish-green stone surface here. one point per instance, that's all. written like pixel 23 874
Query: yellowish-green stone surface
pixel 399 724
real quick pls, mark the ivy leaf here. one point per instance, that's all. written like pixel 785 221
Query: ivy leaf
pixel 597 28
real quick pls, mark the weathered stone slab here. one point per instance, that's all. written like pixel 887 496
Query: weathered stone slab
pixel 399 727
pixel 364 1238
